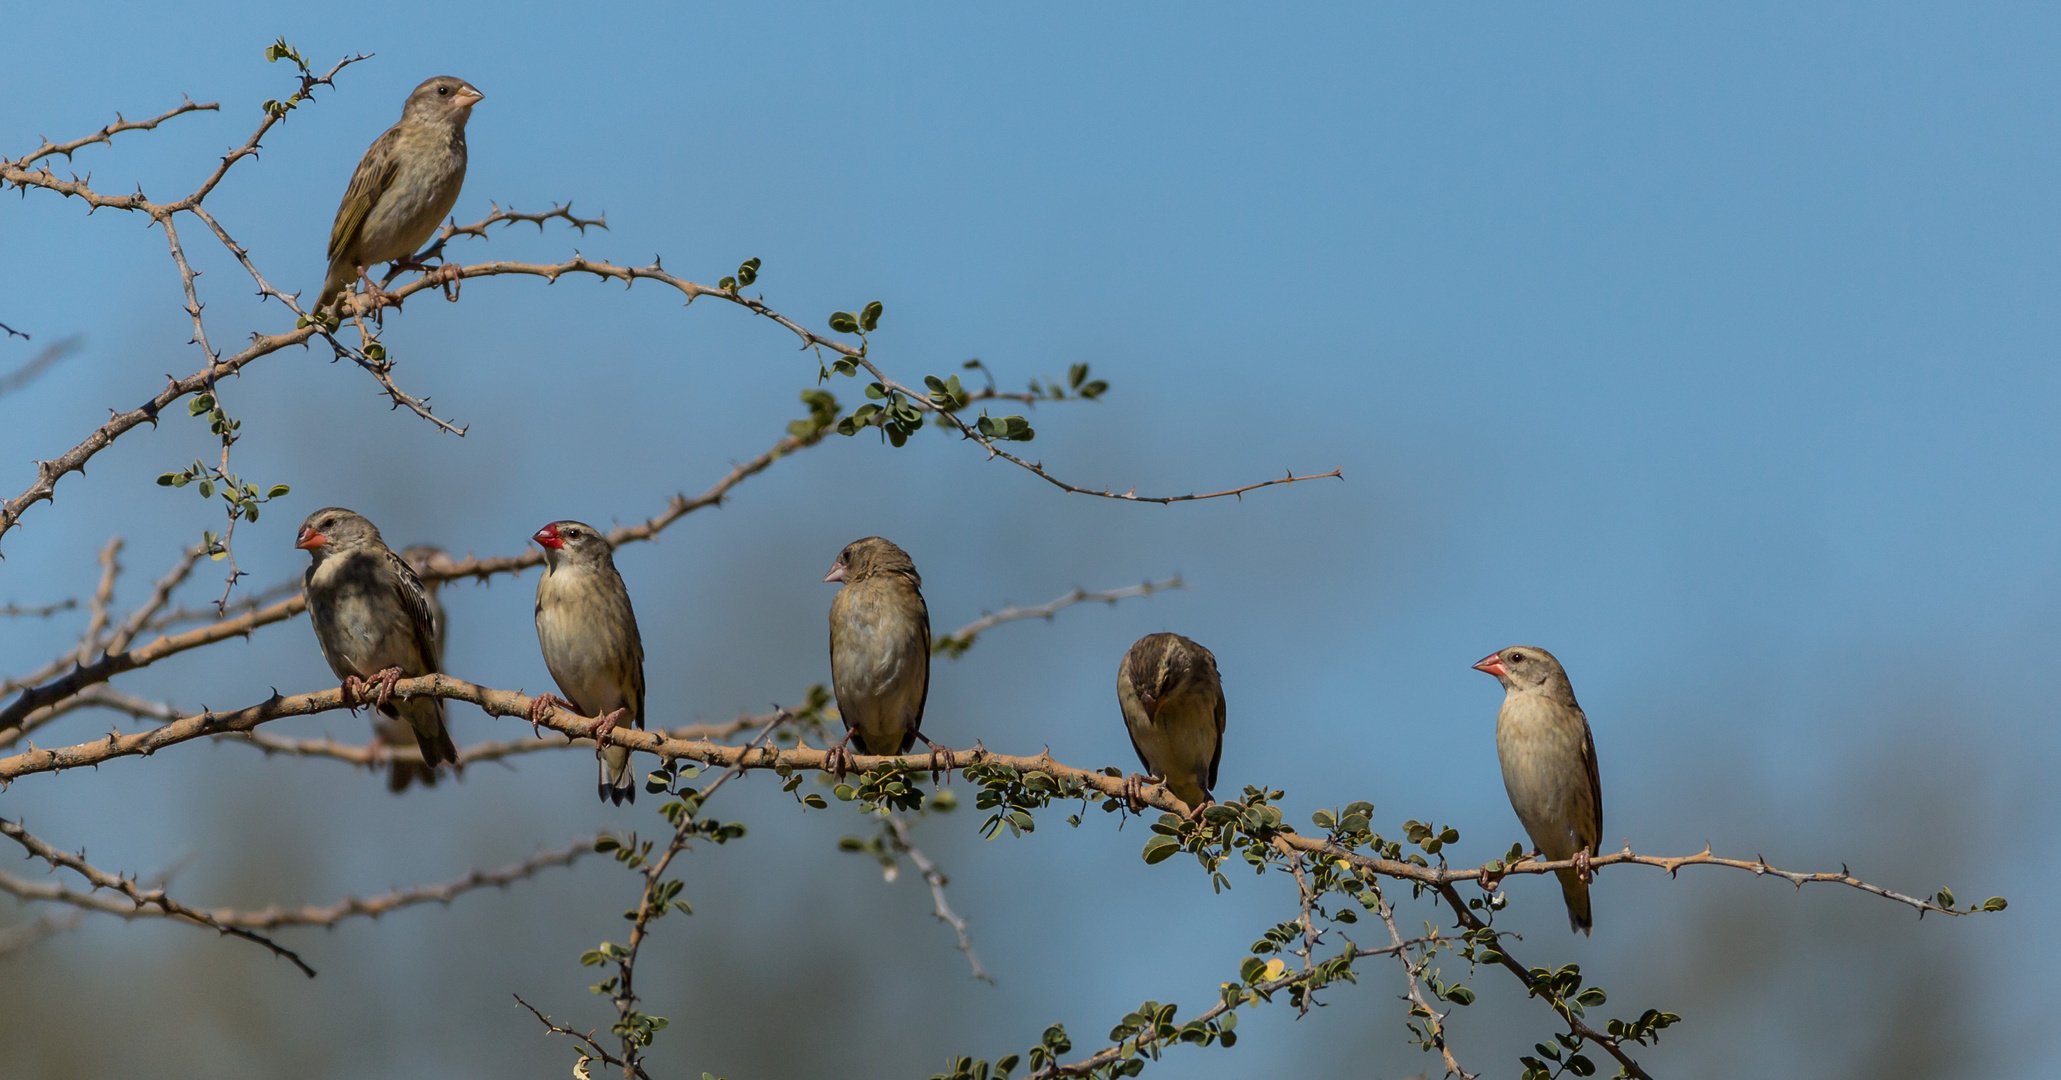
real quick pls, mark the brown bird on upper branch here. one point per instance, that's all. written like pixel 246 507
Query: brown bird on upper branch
pixel 373 620
pixel 588 635
pixel 1173 706
pixel 1549 766
pixel 880 652
pixel 406 182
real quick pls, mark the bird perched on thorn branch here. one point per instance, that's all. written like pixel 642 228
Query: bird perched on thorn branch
pixel 1549 766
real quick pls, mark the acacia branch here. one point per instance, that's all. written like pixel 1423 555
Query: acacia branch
pixel 599 1053
pixel 16 938
pixel 898 836
pixel 138 896
pixel 327 915
pixel 39 363
pixel 958 641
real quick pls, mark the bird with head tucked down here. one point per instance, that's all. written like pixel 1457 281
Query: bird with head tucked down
pixel 588 634
pixel 1549 766
pixel 373 620
pixel 407 181
pixel 879 651
pixel 1173 705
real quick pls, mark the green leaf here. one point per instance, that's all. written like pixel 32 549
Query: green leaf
pixel 1995 903
pixel 169 479
pixel 1460 995
pixel 869 319
pixel 748 271
pixel 844 322
pixel 1593 997
pixel 1160 848
pixel 1945 897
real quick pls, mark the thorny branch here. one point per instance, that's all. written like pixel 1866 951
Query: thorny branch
pixel 594 1051
pixel 275 916
pixel 138 896
pixel 960 640
pixel 898 831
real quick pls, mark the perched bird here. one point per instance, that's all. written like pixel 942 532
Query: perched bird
pixel 589 638
pixel 390 731
pixel 1549 766
pixel 880 651
pixel 406 182
pixel 1173 704
pixel 373 621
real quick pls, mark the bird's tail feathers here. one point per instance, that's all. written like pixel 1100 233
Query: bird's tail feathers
pixel 1576 892
pixel 618 782
pixel 401 774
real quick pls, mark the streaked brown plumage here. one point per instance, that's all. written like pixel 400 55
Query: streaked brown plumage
pixel 1549 766
pixel 373 621
pixel 1173 705
pixel 389 731
pixel 407 181
pixel 588 634
pixel 879 647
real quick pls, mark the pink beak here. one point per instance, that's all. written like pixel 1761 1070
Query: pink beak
pixel 1493 664
pixel 836 572
pixel 309 539
pixel 548 536
pixel 468 97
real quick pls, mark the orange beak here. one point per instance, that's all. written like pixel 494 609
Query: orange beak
pixel 1492 664
pixel 836 572
pixel 309 539
pixel 548 536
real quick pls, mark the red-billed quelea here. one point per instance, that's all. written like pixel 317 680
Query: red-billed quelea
pixel 880 651
pixel 1549 766
pixel 1173 705
pixel 589 638
pixel 407 181
pixel 373 621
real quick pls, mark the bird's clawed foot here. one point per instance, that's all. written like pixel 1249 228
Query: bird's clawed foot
pixel 352 689
pixel 1582 869
pixel 541 707
pixel 603 727
pixel 385 680
pixel 838 759
pixel 1134 791
pixel 940 761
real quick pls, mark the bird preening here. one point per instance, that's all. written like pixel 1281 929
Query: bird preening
pixel 377 622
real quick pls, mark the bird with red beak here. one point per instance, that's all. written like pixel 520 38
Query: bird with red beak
pixel 373 621
pixel 588 634
pixel 1549 767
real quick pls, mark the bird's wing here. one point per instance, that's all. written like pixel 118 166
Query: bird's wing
pixel 1218 756
pixel 415 601
pixel 922 657
pixel 636 656
pixel 1595 785
pixel 375 172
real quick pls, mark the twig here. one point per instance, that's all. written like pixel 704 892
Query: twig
pixel 958 641
pixel 15 611
pixel 39 363
pixel 275 916
pixel 16 938
pixel 138 896
pixel 898 831
pixel 1434 1021
pixel 599 1053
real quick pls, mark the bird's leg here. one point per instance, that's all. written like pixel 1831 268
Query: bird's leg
pixel 541 707
pixel 1134 791
pixel 385 680
pixel 351 688
pixel 940 760
pixel 603 726
pixel 838 759
pixel 374 295
pixel 1581 865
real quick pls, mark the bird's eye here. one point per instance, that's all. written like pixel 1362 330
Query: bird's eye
pixel 1517 658
pixel 444 91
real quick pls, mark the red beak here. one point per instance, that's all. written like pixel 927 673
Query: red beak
pixel 309 539
pixel 1493 664
pixel 836 572
pixel 548 536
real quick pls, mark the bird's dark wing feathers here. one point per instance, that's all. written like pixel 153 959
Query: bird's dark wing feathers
pixel 375 172
pixel 1595 784
pixel 636 651
pixel 416 601
pixel 922 699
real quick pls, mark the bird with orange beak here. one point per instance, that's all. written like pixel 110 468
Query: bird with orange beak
pixel 372 619
pixel 1549 766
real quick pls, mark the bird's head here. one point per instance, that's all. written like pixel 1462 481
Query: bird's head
pixel 572 542
pixel 444 98
pixel 862 559
pixel 334 530
pixel 1522 667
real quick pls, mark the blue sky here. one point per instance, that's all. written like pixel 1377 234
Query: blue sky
pixel 1712 350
